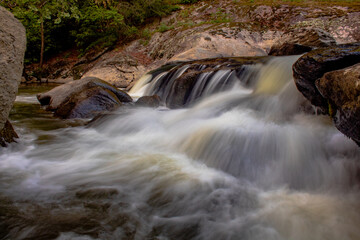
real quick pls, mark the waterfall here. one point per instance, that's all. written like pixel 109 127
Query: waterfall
pixel 196 80
pixel 240 159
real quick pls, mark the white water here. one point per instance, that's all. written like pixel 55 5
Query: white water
pixel 240 164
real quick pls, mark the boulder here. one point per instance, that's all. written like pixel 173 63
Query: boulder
pixel 12 51
pixel 342 90
pixel 149 101
pixel 88 103
pixel 83 98
pixel 313 65
pixel 302 40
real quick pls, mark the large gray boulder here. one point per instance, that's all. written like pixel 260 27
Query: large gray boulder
pixel 83 98
pixel 12 51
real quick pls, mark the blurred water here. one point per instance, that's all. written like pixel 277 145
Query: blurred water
pixel 243 163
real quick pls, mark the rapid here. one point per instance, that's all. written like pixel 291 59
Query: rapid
pixel 247 161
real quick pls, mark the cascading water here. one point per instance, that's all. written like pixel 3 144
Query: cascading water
pixel 242 163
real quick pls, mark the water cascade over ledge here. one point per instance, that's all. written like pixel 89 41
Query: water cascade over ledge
pixel 243 160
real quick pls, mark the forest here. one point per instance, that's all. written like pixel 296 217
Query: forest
pixel 53 26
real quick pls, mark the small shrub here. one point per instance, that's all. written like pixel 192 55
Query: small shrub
pixel 164 28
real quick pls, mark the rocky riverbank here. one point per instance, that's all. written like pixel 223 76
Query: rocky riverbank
pixel 219 29
pixel 207 30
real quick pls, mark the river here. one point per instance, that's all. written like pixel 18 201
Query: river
pixel 243 163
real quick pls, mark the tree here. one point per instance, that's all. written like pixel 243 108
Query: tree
pixel 34 13
pixel 53 26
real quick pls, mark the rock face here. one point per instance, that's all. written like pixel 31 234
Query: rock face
pixel 301 40
pixel 12 50
pixel 342 89
pixel 119 69
pixel 316 63
pixel 207 42
pixel 83 98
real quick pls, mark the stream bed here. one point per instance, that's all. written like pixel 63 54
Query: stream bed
pixel 244 163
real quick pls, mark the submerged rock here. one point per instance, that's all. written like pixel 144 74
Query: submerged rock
pixel 149 101
pixel 12 50
pixel 342 90
pixel 302 40
pixel 83 98
pixel 316 63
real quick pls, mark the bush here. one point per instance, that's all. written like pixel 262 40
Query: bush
pixel 98 26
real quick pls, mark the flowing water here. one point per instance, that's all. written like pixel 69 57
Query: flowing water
pixel 240 163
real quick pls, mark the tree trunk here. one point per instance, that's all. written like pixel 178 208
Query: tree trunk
pixel 42 42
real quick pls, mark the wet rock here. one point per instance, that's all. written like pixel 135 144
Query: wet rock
pixel 181 89
pixel 316 63
pixel 149 101
pixel 341 89
pixel 12 50
pixel 302 40
pixel 7 134
pixel 83 98
pixel 177 87
pixel 88 103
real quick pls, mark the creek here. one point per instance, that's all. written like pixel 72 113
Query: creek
pixel 246 162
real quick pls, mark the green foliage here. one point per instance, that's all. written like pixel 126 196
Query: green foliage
pixel 52 13
pixel 220 17
pixel 97 26
pixel 136 12
pixel 84 24
pixel 163 28
pixel 187 24
pixel 146 34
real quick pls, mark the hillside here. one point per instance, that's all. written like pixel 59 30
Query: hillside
pixel 206 29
